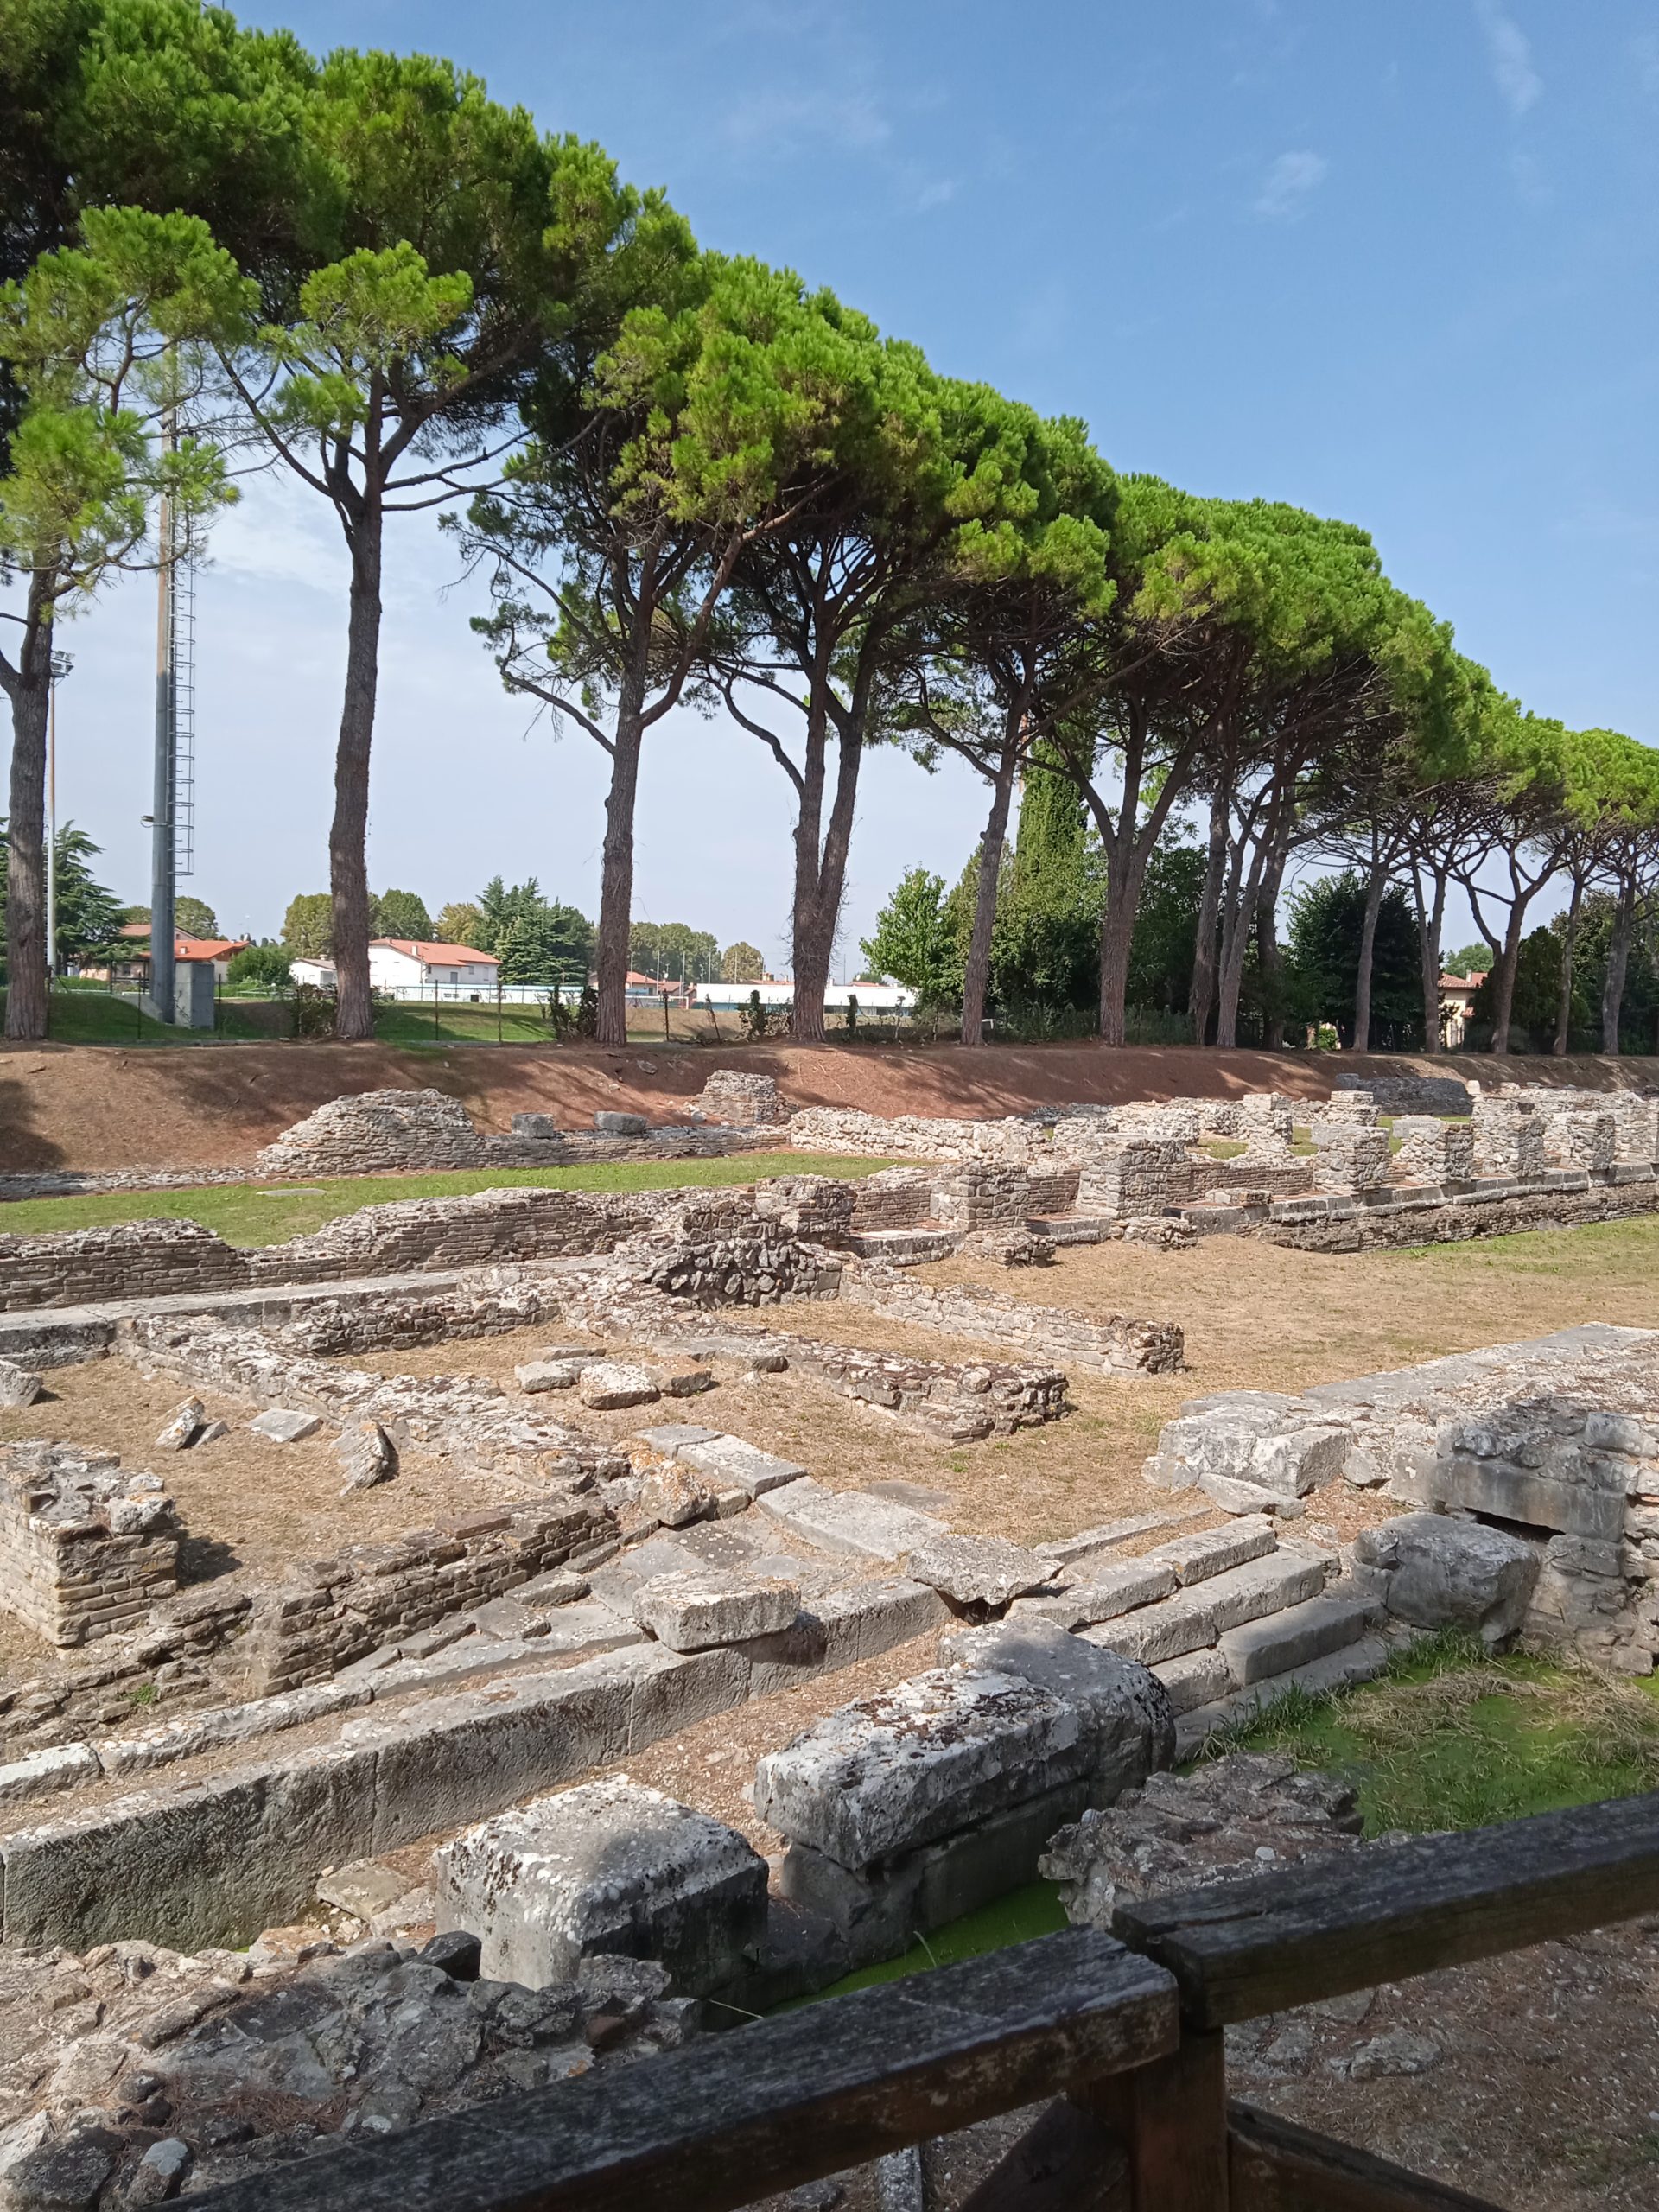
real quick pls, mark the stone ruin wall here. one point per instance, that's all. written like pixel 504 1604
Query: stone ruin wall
pixel 85 1548
pixel 332 1611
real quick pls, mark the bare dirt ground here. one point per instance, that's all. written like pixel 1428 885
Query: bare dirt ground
pixel 104 1106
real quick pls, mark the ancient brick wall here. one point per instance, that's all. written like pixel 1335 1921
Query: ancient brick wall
pixel 981 1194
pixel 85 1548
pixel 1118 1346
pixel 129 1259
pixel 896 1198
pixel 477 1229
pixel 1053 1189
pixel 337 1609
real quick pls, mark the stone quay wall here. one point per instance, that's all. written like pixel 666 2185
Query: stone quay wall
pixel 332 1611
pixel 85 1548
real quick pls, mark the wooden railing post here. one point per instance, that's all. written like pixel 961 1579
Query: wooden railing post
pixel 1171 2118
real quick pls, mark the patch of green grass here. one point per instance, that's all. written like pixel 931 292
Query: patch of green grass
pixel 242 1213
pixel 1033 1911
pixel 1224 1148
pixel 408 1022
pixel 1567 1251
pixel 1451 1738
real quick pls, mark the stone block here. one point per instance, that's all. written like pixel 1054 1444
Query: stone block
pixel 1104 1597
pixel 916 1762
pixel 59 1767
pixel 1510 1492
pixel 1183 1622
pixel 1439 1573
pixel 1292 1638
pixel 1212 1552
pixel 608 1867
pixel 1196 1678
pixel 674 1494
pixel 849 1520
pixel 366 1455
pixel 729 1460
pixel 1128 1715
pixel 285 1425
pixel 698 1609
pixel 866 1618
pixel 184 1425
pixel 1300 1459
pixel 1268 1584
pixel 620 1125
pixel 18 1387
pixel 977 1570
pixel 611 1385
pixel 1244 1497
pixel 538 1375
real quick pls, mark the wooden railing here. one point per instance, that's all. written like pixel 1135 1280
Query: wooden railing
pixel 1123 2038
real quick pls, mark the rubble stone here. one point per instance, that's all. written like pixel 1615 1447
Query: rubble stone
pixel 610 1386
pixel 285 1425
pixel 18 1387
pixel 366 1455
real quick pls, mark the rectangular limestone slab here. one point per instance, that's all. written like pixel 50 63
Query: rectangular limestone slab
pixel 935 1754
pixel 608 1866
pixel 1195 1559
pixel 1183 1622
pixel 1263 1586
pixel 699 1609
pixel 729 1460
pixel 1196 1678
pixel 1304 1632
pixel 848 1521
pixel 1117 1590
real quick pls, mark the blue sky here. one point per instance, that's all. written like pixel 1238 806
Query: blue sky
pixel 1391 262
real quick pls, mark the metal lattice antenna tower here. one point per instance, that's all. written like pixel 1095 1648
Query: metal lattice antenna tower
pixel 182 578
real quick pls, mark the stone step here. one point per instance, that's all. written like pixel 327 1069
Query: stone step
pixel 1277 1643
pixel 1360 1662
pixel 1262 1588
pixel 905 1247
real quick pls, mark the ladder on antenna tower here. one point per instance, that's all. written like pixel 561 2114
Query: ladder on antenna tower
pixel 183 596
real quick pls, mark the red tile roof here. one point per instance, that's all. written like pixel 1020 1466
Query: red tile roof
pixel 438 956
pixel 208 948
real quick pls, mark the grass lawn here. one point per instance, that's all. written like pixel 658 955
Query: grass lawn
pixel 1450 1739
pixel 245 1213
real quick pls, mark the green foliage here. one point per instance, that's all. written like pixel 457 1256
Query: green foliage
pixel 1322 961
pixel 1469 960
pixel 536 940
pixel 1536 1008
pixel 308 926
pixel 89 915
pixel 260 966
pixel 671 951
pixel 1046 952
pixel 399 913
pixel 1165 942
pixel 741 964
pixel 193 917
pixel 544 942
pixel 459 923
pixel 915 940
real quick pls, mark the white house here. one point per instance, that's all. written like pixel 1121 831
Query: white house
pixel 410 967
pixel 407 965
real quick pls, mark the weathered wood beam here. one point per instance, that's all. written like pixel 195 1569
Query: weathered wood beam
pixel 1384 1911
pixel 1067 2161
pixel 1171 2118
pixel 734 2117
pixel 1277 2166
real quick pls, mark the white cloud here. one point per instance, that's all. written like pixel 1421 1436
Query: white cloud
pixel 851 120
pixel 1288 182
pixel 1511 58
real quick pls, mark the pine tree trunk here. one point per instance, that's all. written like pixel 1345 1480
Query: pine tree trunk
pixel 616 871
pixel 1239 897
pixel 1272 959
pixel 1367 958
pixel 1202 997
pixel 1503 979
pixel 815 944
pixel 1569 947
pixel 977 972
pixel 1428 955
pixel 348 868
pixel 1619 961
pixel 30 686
